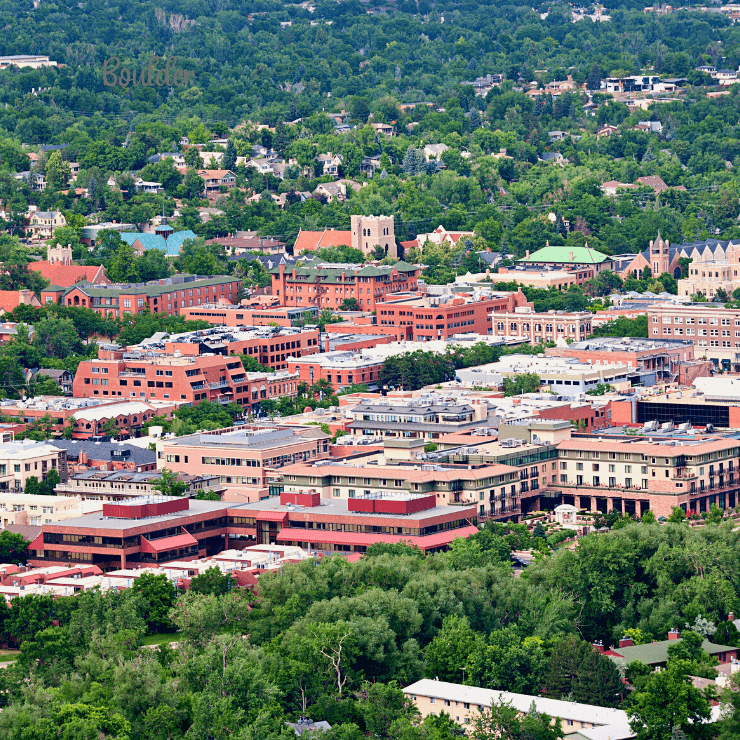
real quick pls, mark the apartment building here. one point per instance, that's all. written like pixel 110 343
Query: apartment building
pixel 525 324
pixel 464 703
pixel 170 296
pixel 633 475
pixel 102 485
pixel 111 456
pixel 244 456
pixel 329 286
pixel 270 346
pixel 424 318
pixel 24 459
pixel 712 329
pixel 179 379
pixel 480 486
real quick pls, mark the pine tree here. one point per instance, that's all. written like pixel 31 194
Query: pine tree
pixel 229 159
pixel 539 531
pixel 593 80
pixel 409 161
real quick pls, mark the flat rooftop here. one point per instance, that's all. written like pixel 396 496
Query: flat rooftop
pixel 627 344
pixel 241 440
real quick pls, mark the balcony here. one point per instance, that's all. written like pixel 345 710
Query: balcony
pixel 132 374
pixel 198 386
pixel 219 384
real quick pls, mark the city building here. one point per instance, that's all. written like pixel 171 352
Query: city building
pixel 568 258
pixel 143 531
pixel 352 525
pixel 25 459
pixel 84 454
pixel 179 379
pixel 329 286
pixel 366 233
pixel 419 418
pixel 652 361
pixel 424 318
pixel 31 510
pixel 534 328
pixel 244 456
pixel 122 485
pixel 713 329
pixel 169 295
pixel 463 704
pixel 565 377
pixel 270 346
pixel 88 415
pixel 545 278
pixel 634 475
pixel 481 486
pixel 226 315
pixel 341 368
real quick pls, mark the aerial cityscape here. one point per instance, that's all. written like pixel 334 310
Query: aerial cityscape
pixel 369 370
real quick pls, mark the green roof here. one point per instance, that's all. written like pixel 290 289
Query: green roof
pixel 149 290
pixel 653 653
pixel 562 255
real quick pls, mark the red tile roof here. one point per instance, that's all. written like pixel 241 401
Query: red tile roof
pixel 67 275
pixel 312 240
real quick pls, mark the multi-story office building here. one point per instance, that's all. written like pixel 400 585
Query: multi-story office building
pixel 534 328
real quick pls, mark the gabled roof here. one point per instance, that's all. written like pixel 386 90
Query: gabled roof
pixel 312 240
pixel 171 246
pixel 10 299
pixel 66 275
pixel 653 653
pixel 581 255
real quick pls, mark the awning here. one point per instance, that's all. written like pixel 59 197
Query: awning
pixel 439 539
pixel 271 516
pixel 168 543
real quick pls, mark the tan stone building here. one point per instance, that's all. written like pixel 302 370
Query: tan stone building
pixel 369 232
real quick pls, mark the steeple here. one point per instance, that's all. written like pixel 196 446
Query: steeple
pixel 164 229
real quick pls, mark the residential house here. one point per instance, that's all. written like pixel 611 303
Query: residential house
pixel 434 151
pixel 611 187
pixel 63 378
pixel 483 85
pixel 43 223
pixel 177 158
pixel 553 158
pixel 369 165
pixel 607 130
pixel 441 236
pixel 383 128
pixel 332 191
pixel 331 162
pixel 215 179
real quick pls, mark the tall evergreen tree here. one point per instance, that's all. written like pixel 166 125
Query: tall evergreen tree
pixel 229 159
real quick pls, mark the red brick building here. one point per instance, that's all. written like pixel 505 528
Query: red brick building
pixel 154 530
pixel 170 296
pixel 341 368
pixel 191 380
pixel 423 318
pixel 328 287
pixel 226 315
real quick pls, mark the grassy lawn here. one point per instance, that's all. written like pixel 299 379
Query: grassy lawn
pixel 159 639
pixel 6 655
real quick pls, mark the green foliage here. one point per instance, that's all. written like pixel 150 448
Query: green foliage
pixel 213 582
pixel 521 383
pixel 623 327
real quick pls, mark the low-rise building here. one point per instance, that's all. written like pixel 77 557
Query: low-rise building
pixel 226 315
pixel 329 286
pixel 464 703
pixel 651 361
pixel 340 368
pixel 568 258
pixel 170 296
pixel 31 510
pixel 122 485
pixel 545 278
pixel 180 379
pixel 83 454
pixel 242 456
pixel 564 377
pixel 26 459
pixel 270 346
pixel 524 324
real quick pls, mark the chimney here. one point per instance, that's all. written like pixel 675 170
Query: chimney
pixel 599 645
pixel 626 641
pixel 570 256
pixel 674 634
pixel 527 254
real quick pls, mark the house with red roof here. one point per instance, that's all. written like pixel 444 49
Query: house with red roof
pixel 10 299
pixel 312 240
pixel 440 236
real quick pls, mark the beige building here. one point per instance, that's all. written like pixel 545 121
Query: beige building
pixel 30 510
pixel 369 232
pixel 43 223
pixel 524 323
pixel 464 703
pixel 19 461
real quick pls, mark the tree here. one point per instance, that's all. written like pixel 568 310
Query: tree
pixel 668 702
pixel 123 268
pixel 153 265
pixel 447 654
pixel 57 173
pixel 169 485
pixel 349 304
pixel 521 383
pixel 193 159
pixel 677 516
pixel 13 547
pixel 57 337
pixel 213 581
pixel 159 595
pixel 502 720
pixel 539 531
pixel 228 162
